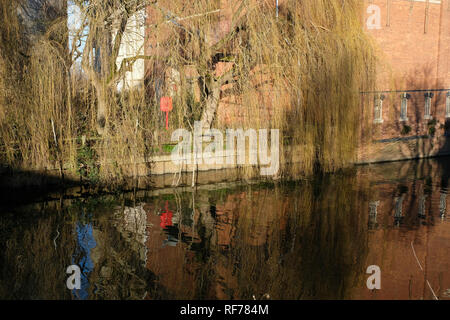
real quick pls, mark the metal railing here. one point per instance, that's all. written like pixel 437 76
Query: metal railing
pixel 405 91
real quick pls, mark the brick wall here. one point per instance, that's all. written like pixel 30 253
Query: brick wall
pixel 229 110
pixel 412 42
pixel 412 38
pixel 413 49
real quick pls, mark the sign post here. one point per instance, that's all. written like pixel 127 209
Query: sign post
pixel 166 105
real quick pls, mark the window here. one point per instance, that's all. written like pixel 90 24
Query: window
pixel 447 106
pixel 428 97
pixel 422 207
pixel 404 107
pixel 378 109
pixel 373 210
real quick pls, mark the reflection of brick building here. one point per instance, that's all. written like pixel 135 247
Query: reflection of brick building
pixel 174 253
pixel 412 39
pixel 168 257
pixel 288 241
pixel 408 218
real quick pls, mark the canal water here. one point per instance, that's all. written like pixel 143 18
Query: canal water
pixel 309 239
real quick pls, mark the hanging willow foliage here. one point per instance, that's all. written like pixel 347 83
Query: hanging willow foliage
pixel 300 72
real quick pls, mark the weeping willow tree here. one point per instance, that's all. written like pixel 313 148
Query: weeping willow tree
pixel 307 64
pixel 300 71
pixel 12 56
pixel 34 71
pixel 106 23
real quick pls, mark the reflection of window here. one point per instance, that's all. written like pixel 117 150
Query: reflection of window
pixel 428 97
pixel 398 208
pixel 373 207
pixel 378 109
pixel 404 107
pixel 447 105
pixel 443 205
pixel 422 213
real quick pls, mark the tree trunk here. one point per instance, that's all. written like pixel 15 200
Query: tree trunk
pixel 103 96
pixel 212 103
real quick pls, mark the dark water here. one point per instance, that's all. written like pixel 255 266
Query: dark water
pixel 311 239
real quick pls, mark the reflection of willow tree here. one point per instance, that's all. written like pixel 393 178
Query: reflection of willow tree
pixel 309 242
pixel 31 266
pixel 315 244
pixel 118 271
pixel 299 72
pixel 292 242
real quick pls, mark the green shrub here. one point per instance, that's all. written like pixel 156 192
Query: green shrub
pixel 87 165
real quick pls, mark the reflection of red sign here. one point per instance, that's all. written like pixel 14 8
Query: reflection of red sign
pixel 166 217
pixel 166 106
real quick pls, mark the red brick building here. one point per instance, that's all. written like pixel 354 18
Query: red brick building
pixel 413 38
pixel 406 117
pixel 163 79
pixel 412 101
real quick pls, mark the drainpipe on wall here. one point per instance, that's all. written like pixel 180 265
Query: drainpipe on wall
pixel 427 10
pixel 388 8
pixel 277 8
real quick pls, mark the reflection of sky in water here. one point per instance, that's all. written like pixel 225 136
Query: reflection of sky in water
pixel 82 257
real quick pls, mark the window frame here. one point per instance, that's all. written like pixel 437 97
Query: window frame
pixel 447 105
pixel 378 109
pixel 428 99
pixel 404 107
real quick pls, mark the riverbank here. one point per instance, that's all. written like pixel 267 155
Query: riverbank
pixel 161 173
